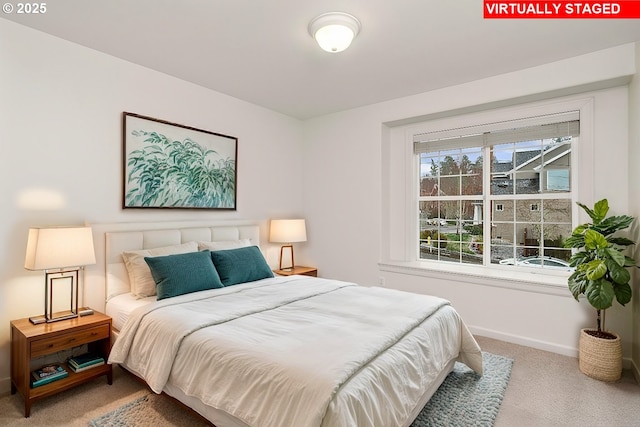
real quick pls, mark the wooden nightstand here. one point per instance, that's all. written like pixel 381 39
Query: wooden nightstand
pixel 30 342
pixel 298 269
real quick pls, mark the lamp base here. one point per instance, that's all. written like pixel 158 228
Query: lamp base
pixel 55 317
pixel 290 247
pixel 64 315
pixel 60 277
pixel 37 320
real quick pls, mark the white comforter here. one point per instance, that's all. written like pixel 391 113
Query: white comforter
pixel 282 351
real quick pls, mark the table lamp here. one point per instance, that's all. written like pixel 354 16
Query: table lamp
pixel 287 231
pixel 61 252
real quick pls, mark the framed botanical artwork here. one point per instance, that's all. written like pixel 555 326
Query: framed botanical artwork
pixel 172 166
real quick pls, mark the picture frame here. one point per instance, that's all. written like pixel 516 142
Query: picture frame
pixel 167 165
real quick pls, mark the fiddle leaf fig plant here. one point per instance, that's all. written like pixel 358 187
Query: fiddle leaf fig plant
pixel 600 266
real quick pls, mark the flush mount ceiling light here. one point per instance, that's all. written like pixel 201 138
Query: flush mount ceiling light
pixel 334 31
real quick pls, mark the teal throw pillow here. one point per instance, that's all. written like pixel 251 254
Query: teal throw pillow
pixel 241 265
pixel 183 273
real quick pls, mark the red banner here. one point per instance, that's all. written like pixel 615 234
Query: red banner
pixel 625 9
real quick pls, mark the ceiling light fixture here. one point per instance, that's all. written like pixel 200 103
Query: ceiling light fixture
pixel 334 31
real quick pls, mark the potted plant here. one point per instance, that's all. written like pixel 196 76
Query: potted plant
pixel 600 275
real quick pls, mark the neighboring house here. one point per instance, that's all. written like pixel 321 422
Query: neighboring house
pixel 533 172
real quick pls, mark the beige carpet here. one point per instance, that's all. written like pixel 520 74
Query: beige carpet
pixel 76 407
pixel 548 390
pixel 545 389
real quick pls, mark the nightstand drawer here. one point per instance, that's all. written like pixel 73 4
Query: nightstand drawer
pixel 72 339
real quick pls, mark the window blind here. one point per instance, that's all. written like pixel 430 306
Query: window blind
pixel 528 129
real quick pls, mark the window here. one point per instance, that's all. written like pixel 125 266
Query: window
pixel 557 179
pixel 498 194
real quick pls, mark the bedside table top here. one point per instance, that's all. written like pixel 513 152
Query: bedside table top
pixel 28 329
pixel 298 269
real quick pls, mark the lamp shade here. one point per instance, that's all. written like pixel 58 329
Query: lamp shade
pixel 59 247
pixel 334 31
pixel 288 231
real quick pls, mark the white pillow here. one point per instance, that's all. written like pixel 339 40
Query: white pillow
pixel 223 245
pixel 140 279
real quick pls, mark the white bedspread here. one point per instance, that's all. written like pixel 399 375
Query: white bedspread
pixel 276 352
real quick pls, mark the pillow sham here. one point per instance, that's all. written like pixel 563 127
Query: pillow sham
pixel 222 245
pixel 241 265
pixel 183 273
pixel 140 279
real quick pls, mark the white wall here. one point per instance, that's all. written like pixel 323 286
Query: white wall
pixel 60 132
pixel 347 187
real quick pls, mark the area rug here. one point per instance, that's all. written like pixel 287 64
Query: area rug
pixel 463 399
pixel 466 398
pixel 151 410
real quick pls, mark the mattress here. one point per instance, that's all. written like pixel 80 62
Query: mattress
pixel 120 307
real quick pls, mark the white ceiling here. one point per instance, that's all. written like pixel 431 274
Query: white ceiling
pixel 260 51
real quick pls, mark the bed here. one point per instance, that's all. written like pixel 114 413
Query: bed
pixel 265 351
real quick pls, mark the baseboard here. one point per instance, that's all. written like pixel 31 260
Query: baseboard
pixel 528 342
pixel 627 363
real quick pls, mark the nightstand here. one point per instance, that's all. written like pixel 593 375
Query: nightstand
pixel 298 269
pixel 30 342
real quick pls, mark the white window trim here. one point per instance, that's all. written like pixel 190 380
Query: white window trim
pixel 537 280
pixel 534 281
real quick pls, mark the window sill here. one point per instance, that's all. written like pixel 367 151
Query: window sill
pixel 520 279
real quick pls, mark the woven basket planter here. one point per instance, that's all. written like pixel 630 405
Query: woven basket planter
pixel 600 358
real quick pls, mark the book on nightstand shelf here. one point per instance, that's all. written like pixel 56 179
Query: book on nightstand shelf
pixel 47 374
pixel 85 361
pixel 84 368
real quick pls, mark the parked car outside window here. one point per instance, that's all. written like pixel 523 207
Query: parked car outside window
pixel 538 261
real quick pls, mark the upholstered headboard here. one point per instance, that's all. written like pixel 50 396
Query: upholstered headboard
pixel 108 277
